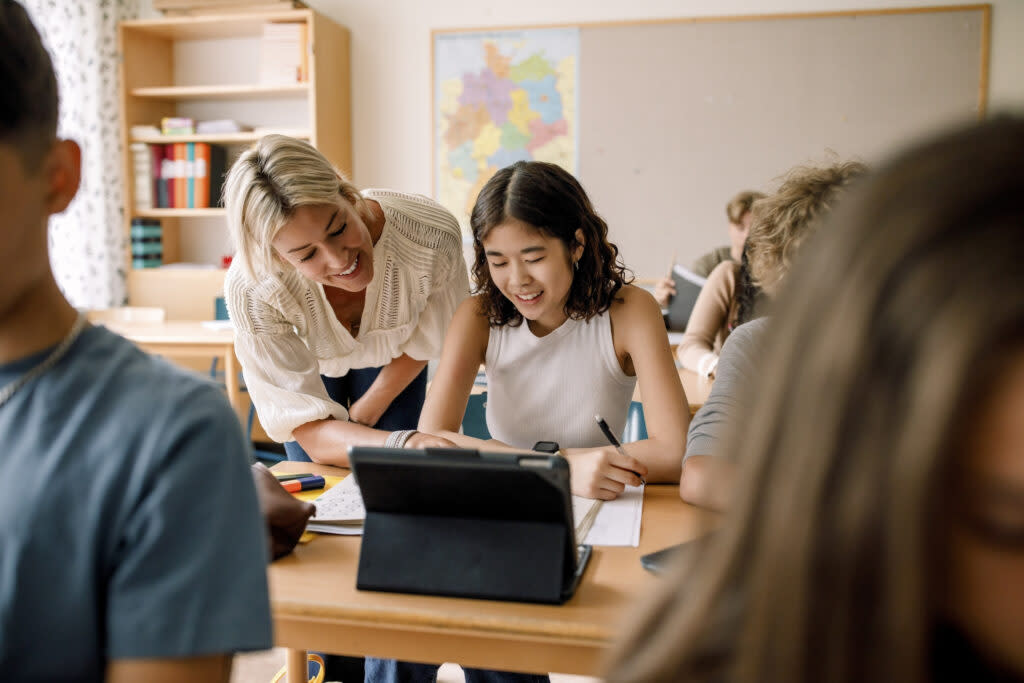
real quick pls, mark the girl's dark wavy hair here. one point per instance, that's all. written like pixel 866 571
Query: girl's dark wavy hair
pixel 550 199
pixel 751 302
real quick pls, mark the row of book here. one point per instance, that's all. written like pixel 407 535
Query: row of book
pixel 182 175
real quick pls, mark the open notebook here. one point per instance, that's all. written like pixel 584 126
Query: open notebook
pixel 339 510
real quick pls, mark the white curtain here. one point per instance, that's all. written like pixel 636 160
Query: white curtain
pixel 87 242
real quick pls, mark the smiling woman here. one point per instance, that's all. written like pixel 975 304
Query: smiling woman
pixel 338 297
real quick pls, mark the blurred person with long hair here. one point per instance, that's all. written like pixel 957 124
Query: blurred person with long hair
pixel 877 531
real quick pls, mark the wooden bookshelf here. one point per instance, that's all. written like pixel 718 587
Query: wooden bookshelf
pixel 171 213
pixel 207 67
pixel 223 92
pixel 242 138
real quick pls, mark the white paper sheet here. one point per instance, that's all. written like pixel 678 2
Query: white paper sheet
pixel 339 510
pixel 618 521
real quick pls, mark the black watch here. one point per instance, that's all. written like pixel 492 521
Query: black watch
pixel 546 447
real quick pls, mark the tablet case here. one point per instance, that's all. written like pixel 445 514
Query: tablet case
pixel 462 523
pixel 660 560
pixel 688 285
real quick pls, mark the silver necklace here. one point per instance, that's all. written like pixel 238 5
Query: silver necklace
pixel 61 349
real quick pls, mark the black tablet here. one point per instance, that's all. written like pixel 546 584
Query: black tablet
pixel 467 523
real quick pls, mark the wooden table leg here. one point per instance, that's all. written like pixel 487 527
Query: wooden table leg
pixel 297 667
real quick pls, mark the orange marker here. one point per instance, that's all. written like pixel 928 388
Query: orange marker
pixel 304 484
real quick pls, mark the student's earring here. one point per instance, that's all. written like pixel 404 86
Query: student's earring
pixel 576 265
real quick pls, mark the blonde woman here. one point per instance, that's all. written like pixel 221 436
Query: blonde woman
pixel 878 528
pixel 338 298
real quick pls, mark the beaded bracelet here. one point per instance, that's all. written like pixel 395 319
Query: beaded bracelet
pixel 398 439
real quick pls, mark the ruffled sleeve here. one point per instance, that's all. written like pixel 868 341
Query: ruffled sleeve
pixel 283 379
pixel 281 373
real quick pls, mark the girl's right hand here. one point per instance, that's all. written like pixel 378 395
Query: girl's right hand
pixel 664 289
pixel 603 472
pixel 421 440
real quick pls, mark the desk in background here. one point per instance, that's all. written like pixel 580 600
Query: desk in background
pixel 188 339
pixel 316 605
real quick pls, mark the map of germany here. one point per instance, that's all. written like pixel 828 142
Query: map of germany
pixel 502 97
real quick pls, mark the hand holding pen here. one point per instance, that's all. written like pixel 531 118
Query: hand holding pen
pixel 615 442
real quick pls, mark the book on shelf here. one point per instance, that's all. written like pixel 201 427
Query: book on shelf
pixel 210 167
pixel 141 169
pixel 180 175
pixel 147 243
pixel 177 125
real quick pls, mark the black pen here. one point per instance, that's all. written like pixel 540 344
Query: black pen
pixel 615 442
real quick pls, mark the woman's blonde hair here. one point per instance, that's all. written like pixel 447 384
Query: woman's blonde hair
pixel 264 187
pixel 888 340
pixel 783 220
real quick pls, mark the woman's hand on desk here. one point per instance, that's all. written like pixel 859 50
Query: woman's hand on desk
pixel 602 472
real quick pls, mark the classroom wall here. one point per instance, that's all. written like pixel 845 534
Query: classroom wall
pixel 391 79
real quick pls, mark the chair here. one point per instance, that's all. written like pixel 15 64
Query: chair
pixel 474 421
pixel 636 426
pixel 127 314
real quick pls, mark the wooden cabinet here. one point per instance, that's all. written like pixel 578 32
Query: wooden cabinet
pixel 205 68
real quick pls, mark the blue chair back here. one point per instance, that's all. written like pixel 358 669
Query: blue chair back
pixel 474 422
pixel 636 426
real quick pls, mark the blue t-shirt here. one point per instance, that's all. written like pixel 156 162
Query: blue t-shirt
pixel 129 525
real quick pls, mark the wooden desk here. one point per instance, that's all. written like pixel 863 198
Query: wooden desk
pixel 187 339
pixel 316 605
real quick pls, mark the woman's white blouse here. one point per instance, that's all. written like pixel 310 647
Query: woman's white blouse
pixel 286 334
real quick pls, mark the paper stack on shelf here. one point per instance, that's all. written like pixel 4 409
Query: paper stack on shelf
pixel 218 126
pixel 144 131
pixel 283 53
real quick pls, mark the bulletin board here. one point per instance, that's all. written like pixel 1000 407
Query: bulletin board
pixel 668 119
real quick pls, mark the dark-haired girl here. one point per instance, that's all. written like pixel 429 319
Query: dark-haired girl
pixel 562 335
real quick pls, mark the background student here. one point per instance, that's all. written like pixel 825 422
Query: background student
pixel 127 552
pixel 782 222
pixel 738 213
pixel 561 335
pixel 878 528
pixel 338 299
pixel 728 299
